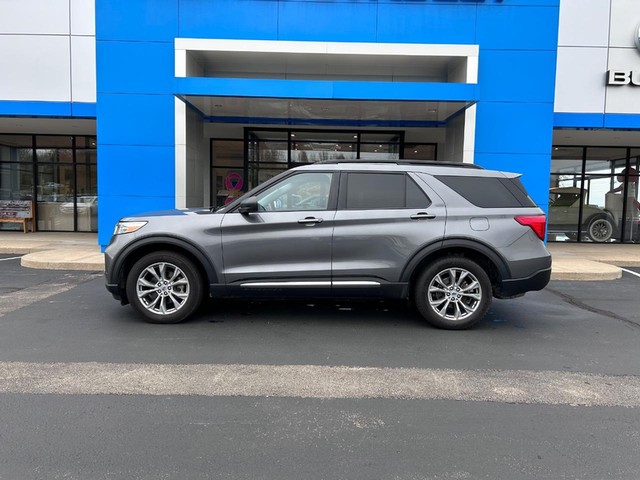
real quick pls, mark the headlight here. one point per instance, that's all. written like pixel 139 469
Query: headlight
pixel 128 227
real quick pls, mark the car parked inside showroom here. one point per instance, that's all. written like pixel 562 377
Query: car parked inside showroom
pixel 599 224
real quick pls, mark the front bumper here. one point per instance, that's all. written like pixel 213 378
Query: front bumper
pixel 114 289
pixel 112 278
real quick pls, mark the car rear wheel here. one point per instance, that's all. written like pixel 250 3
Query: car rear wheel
pixel 453 293
pixel 165 287
pixel 600 229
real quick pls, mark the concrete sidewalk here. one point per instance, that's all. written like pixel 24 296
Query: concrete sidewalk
pixel 54 251
pixel 80 251
pixel 588 261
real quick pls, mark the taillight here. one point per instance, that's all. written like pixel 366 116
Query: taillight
pixel 538 223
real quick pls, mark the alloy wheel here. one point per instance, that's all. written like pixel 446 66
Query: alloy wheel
pixel 162 288
pixel 454 294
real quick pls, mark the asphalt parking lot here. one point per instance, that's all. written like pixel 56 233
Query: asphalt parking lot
pixel 561 328
pixel 88 390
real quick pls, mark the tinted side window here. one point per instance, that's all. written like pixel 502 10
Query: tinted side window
pixel 383 191
pixel 416 198
pixel 489 192
pixel 515 186
pixel 375 190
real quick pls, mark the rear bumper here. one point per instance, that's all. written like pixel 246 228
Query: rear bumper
pixel 519 286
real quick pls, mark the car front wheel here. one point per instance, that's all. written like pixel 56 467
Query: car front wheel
pixel 453 293
pixel 165 287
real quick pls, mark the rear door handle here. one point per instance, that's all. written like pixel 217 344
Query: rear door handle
pixel 422 216
pixel 310 220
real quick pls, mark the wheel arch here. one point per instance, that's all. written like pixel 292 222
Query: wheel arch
pixel 598 215
pixel 493 263
pixel 134 252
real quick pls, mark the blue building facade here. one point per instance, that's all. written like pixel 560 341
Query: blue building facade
pixel 118 107
pixel 137 84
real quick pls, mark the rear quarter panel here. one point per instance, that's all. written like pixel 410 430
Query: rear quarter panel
pixel 523 252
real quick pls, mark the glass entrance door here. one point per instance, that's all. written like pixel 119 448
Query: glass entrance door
pixel 239 165
pixel 269 152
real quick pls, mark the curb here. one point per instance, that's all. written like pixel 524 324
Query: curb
pixel 564 268
pixel 614 274
pixel 50 260
pixel 92 267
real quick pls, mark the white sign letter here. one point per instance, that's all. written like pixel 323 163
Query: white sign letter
pixel 616 77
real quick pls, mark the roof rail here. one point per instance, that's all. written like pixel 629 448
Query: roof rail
pixel 429 163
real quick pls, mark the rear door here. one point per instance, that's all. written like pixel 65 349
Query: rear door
pixel 383 219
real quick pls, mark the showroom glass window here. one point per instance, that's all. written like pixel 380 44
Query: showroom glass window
pixel 57 172
pixel 593 194
pixel 16 169
pixel 227 172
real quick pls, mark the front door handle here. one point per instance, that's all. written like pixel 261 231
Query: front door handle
pixel 310 220
pixel 422 216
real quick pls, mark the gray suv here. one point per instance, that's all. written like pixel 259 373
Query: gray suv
pixel 447 236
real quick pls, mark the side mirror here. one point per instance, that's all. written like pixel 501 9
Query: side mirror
pixel 248 205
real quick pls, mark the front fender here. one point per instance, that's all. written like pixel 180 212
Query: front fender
pixel 179 242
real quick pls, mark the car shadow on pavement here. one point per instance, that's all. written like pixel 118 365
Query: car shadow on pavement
pixel 296 310
pixel 399 313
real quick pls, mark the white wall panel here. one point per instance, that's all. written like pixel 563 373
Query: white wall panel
pixel 580 80
pixel 625 18
pixel 181 153
pixel 469 144
pixel 623 98
pixel 35 67
pixel 584 23
pixel 197 171
pixel 34 16
pixel 83 17
pixel 83 69
pixel 624 59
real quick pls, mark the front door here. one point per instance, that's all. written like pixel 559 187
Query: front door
pixel 287 243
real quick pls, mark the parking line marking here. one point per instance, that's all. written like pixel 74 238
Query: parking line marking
pixel 631 272
pixel 315 381
pixel 12 258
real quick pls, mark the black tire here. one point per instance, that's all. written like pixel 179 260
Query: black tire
pixel 437 286
pixel 173 301
pixel 600 229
